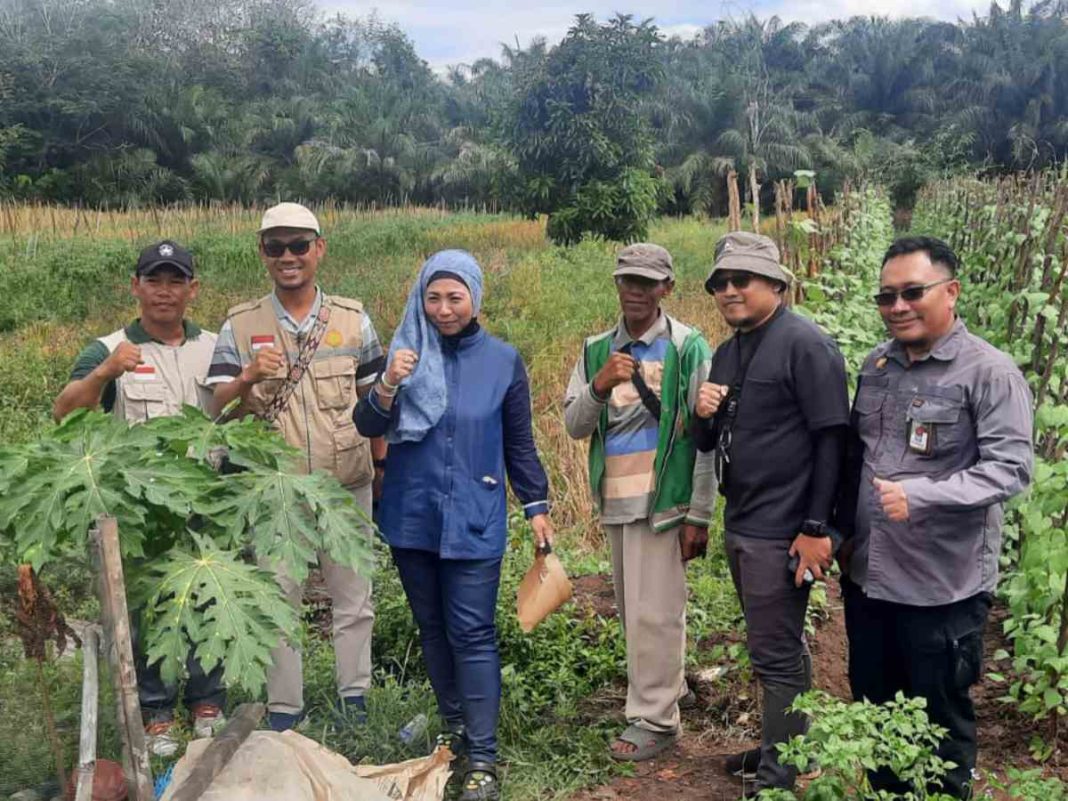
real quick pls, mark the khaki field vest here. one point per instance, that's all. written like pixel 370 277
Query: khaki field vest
pixel 172 375
pixel 318 417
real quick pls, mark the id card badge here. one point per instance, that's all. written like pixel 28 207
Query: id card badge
pixel 921 437
pixel 260 341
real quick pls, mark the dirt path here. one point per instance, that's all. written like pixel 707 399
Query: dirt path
pixel 727 721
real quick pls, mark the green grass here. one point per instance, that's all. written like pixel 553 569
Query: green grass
pixel 562 684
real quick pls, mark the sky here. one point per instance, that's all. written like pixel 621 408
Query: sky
pixel 448 32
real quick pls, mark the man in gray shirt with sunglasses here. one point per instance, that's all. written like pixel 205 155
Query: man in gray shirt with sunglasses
pixel 941 438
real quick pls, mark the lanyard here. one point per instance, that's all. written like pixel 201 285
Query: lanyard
pixel 729 413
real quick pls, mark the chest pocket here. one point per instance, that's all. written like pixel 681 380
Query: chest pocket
pixel 945 419
pixel 143 400
pixel 868 407
pixel 335 382
pixel 762 402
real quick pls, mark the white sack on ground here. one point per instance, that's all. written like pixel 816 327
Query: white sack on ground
pixel 290 767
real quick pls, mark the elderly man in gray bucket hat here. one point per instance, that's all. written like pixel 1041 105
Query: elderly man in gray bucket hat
pixel 775 413
pixel 633 394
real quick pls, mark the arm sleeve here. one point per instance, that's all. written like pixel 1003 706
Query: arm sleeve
pixel 226 359
pixel 372 359
pixel 525 472
pixel 819 383
pixel 828 450
pixel 371 419
pixel 1004 430
pixel 92 356
pixel 582 406
pixel 705 486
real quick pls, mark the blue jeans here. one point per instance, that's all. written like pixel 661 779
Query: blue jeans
pixel 454 602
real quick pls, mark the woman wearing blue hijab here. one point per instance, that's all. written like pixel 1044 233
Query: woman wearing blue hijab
pixel 454 404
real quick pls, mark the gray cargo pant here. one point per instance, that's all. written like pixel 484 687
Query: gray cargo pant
pixel 353 616
pixel 775 636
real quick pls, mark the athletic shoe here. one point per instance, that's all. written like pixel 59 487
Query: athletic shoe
pixel 208 720
pixel 743 765
pixel 160 740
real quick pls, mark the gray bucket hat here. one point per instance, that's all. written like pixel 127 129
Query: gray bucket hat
pixel 646 260
pixel 742 251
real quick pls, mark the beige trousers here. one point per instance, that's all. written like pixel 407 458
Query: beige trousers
pixel 354 617
pixel 650 585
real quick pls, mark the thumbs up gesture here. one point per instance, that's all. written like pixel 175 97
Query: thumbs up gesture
pixel 893 498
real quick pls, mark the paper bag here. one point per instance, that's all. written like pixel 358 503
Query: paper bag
pixel 544 589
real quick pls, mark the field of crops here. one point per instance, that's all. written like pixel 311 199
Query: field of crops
pixel 64 278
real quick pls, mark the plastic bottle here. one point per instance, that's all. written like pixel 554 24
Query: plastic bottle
pixel 413 729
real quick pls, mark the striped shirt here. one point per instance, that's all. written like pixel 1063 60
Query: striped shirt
pixel 632 433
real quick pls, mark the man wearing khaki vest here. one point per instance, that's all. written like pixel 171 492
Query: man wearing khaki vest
pixel 258 344
pixel 149 369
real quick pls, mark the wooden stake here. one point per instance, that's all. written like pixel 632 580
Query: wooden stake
pixel 216 756
pixel 90 704
pixel 120 650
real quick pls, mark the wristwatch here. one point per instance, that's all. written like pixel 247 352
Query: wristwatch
pixel 814 528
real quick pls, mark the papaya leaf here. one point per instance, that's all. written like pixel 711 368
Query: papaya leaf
pixel 229 612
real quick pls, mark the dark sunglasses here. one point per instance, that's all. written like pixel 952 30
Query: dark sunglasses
pixel 298 247
pixel 720 281
pixel 909 294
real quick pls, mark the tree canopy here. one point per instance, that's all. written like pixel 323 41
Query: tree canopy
pixel 113 102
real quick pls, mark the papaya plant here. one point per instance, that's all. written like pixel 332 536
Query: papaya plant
pixel 186 530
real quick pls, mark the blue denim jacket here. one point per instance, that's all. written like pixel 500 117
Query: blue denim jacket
pixel 446 492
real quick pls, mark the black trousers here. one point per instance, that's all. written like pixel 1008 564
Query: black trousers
pixel 932 652
pixel 158 698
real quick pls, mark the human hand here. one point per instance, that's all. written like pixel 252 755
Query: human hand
pixel 813 554
pixel 265 363
pixel 401 366
pixel 893 498
pixel 543 530
pixel 123 359
pixel 619 369
pixel 709 398
pixel 693 541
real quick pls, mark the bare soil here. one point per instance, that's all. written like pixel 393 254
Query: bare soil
pixel 727 718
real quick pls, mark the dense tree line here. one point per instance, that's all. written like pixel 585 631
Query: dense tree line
pixel 141 101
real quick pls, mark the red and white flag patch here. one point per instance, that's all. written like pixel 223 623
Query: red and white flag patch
pixel 262 341
pixel 144 372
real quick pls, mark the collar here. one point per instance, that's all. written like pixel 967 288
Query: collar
pixel 945 348
pixel 656 330
pixel 764 326
pixel 137 335
pixel 288 321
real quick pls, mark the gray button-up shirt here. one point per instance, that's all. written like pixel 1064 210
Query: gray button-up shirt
pixel 955 429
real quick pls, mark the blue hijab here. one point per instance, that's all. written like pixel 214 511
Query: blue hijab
pixel 424 398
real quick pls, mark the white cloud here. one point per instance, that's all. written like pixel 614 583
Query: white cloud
pixel 466 30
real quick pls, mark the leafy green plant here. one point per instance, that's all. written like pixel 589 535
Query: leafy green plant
pixel 848 740
pixel 193 522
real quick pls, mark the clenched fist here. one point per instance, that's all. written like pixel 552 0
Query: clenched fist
pixel 619 369
pixel 402 366
pixel 265 363
pixel 894 500
pixel 709 398
pixel 122 360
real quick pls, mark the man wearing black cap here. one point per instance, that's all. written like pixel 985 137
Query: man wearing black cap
pixel 149 369
pixel 776 414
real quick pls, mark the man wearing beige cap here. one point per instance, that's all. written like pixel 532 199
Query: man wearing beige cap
pixel 775 414
pixel 300 359
pixel 633 394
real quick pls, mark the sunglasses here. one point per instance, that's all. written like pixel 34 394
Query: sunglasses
pixel 908 294
pixel 720 281
pixel 298 247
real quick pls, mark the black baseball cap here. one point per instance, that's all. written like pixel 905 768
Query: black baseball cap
pixel 166 253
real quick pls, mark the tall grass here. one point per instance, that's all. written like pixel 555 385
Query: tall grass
pixel 67 281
